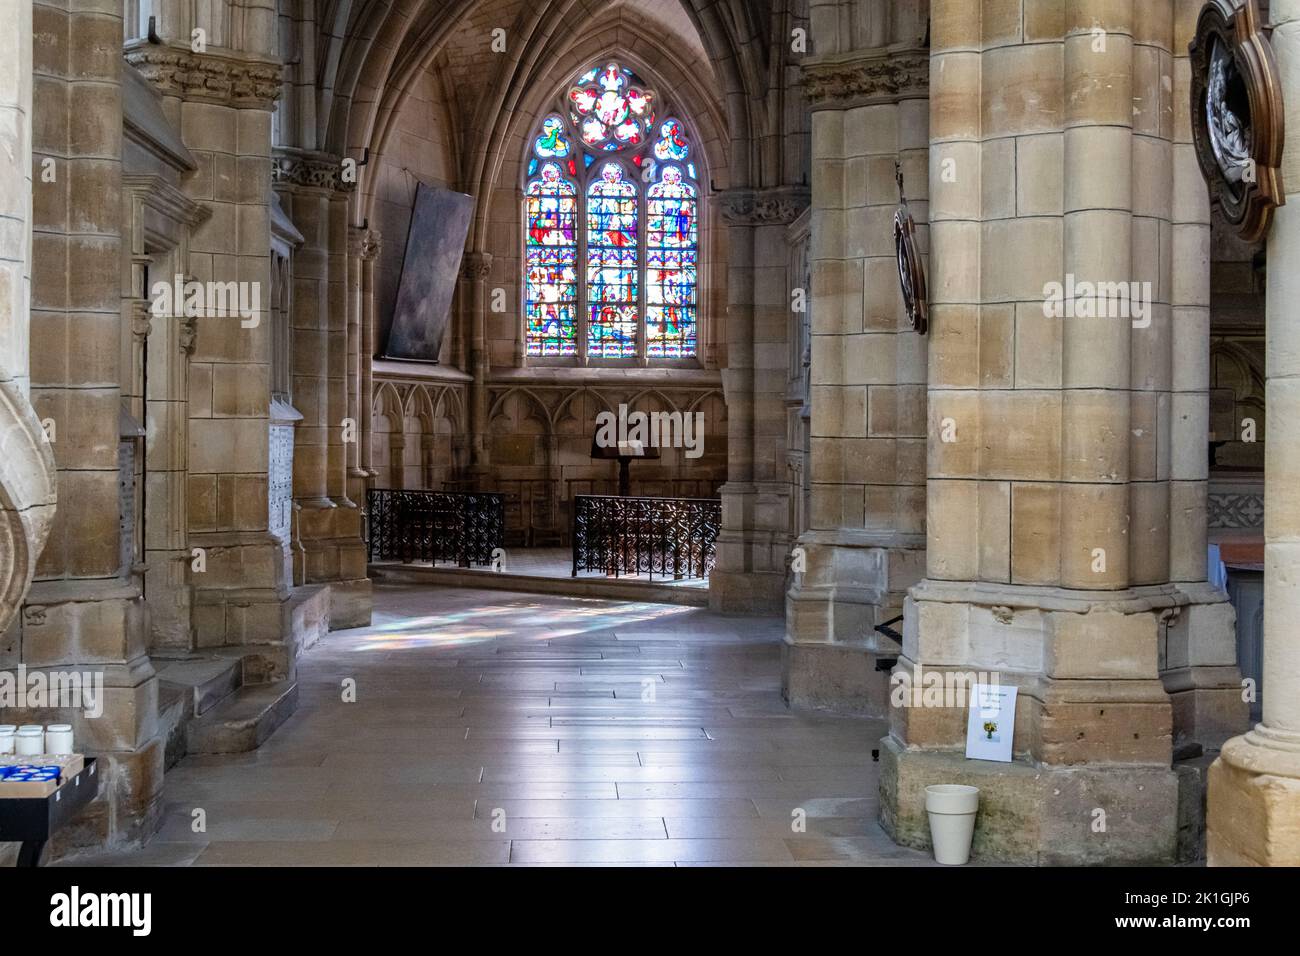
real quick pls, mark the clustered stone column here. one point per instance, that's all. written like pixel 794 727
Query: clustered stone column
pixel 1254 795
pixel 753 545
pixel 240 588
pixel 316 199
pixel 866 542
pixel 1052 560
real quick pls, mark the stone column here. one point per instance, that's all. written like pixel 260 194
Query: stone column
pixel 344 430
pixel 1199 657
pixel 1254 796
pixel 754 542
pixel 27 468
pixel 221 100
pixel 865 546
pixel 304 184
pixel 86 613
pixel 369 252
pixel 356 474
pixel 474 271
pixel 316 200
pixel 1048 518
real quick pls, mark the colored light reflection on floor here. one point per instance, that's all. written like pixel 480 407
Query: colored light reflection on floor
pixel 528 621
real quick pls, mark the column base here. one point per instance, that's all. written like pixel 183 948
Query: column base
pixel 1199 669
pixel 1038 815
pixel 1254 801
pixel 351 604
pixel 333 549
pixel 840 678
pixel 746 592
pixel 749 575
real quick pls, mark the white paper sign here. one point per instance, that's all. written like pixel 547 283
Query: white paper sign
pixel 991 723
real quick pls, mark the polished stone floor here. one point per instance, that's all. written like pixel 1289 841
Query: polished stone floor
pixel 495 728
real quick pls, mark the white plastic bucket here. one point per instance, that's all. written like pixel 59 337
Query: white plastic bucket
pixel 952 808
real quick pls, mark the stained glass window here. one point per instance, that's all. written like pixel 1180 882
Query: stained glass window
pixel 672 240
pixel 634 219
pixel 612 270
pixel 552 247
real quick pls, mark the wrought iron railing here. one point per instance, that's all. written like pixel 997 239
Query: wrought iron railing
pixel 434 526
pixel 668 537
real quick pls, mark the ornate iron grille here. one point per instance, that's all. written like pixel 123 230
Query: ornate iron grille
pixel 669 537
pixel 434 526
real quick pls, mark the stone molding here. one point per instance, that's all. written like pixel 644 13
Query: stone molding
pixel 774 206
pixel 210 77
pixel 296 168
pixel 866 76
pixel 1132 600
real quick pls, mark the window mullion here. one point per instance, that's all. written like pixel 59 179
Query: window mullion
pixel 642 345
pixel 584 311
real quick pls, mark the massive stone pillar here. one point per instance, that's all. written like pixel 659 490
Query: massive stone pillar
pixel 221 94
pixel 85 613
pixel 27 490
pixel 865 546
pixel 1059 249
pixel 754 543
pixel 1254 796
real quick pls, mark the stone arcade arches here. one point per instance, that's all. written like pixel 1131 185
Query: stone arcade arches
pixel 283 151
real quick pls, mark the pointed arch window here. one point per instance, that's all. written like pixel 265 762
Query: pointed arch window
pixel 612 227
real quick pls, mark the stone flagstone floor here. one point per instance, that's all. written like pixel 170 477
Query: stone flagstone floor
pixel 493 728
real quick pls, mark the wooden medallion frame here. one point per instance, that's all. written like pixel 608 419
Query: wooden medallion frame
pixel 1246 199
pixel 911 271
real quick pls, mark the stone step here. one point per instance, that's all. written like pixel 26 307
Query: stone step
pixel 244 720
pixel 208 680
pixel 692 594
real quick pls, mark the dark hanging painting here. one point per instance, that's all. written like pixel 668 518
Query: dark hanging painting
pixel 434 246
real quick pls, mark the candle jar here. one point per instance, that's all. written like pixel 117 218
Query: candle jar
pixel 7 734
pixel 30 741
pixel 58 740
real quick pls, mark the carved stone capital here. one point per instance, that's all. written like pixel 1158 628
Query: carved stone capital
pixel 304 170
pixel 864 77
pixel 776 206
pixel 364 243
pixel 476 266
pixel 227 79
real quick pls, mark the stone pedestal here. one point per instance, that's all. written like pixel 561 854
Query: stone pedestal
pixel 1030 814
